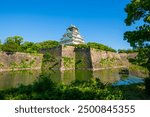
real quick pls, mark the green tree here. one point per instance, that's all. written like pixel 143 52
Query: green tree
pixel 127 51
pixel 100 46
pixel 139 10
pixel 30 47
pixel 12 44
pixel 49 44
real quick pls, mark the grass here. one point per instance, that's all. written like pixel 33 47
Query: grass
pixel 139 69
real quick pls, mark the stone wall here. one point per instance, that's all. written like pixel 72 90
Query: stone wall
pixel 83 58
pixel 54 60
pixel 64 58
pixel 130 55
pixel 19 61
pixel 69 57
pixel 105 59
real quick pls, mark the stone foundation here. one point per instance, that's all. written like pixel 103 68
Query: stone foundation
pixel 20 61
pixel 71 58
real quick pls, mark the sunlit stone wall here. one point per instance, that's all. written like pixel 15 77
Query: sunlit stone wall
pixel 71 58
pixel 20 61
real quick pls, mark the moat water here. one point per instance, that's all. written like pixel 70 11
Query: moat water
pixel 15 78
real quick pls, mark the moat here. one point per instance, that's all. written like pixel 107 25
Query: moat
pixel 14 78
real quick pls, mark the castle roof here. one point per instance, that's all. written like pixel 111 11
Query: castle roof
pixel 72 26
pixel 72 36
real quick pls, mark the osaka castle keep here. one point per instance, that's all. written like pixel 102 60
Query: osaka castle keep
pixel 72 36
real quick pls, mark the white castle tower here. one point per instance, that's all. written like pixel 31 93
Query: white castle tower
pixel 72 36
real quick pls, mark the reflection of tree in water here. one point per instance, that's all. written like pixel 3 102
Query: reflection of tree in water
pixel 67 76
pixel 55 75
pixel 107 76
pixel 14 78
pixel 83 74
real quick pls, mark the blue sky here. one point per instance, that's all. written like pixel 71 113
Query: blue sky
pixel 99 21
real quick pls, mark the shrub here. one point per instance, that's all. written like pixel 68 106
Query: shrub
pixel 100 46
pixel 147 85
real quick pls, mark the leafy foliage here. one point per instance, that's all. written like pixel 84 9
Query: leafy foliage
pixel 140 37
pixel 16 44
pixel 139 69
pixel 12 44
pixel 142 57
pixel 108 62
pixel 44 89
pixel 95 45
pixel 30 47
pixel 127 51
pixel 49 44
pixel 138 9
pixel 100 46
pixel 47 57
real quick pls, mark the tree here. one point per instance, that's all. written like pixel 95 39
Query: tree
pixel 49 44
pixel 30 47
pixel 127 51
pixel 139 10
pixel 12 44
pixel 100 46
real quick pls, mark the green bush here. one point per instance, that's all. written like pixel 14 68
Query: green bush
pixel 12 44
pixel 49 44
pixel 30 47
pixel 127 51
pixel 47 57
pixel 45 89
pixel 95 45
pixel 147 85
pixel 100 46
